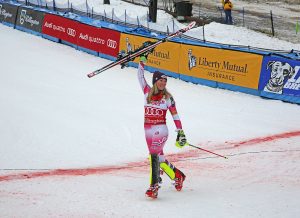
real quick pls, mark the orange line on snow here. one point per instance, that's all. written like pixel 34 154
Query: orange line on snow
pixel 132 165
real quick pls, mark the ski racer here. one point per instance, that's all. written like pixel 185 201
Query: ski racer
pixel 157 101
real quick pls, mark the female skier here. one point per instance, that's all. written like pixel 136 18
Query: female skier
pixel 157 100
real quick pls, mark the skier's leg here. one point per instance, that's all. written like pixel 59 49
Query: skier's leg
pixel 154 169
pixel 156 136
pixel 174 173
pixel 152 192
pixel 167 167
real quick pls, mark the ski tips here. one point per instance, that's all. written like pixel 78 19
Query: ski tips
pixel 90 75
pixel 188 27
pixel 192 24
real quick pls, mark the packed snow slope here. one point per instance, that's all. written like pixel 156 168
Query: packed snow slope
pixel 74 147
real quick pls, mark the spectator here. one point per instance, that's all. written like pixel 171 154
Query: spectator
pixel 227 6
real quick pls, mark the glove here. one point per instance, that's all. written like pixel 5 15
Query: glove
pixel 143 58
pixel 180 140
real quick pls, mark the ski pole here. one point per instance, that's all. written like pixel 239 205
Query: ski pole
pixel 207 151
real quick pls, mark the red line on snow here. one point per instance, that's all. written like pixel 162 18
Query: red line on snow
pixel 270 138
pixel 71 172
pixel 134 165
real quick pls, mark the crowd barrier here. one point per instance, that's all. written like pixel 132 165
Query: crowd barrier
pixel 8 14
pixel 263 73
pixel 91 39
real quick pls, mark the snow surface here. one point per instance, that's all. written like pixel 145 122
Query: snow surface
pixel 74 147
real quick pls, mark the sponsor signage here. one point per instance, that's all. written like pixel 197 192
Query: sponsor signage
pixel 61 28
pixel 163 57
pixel 280 76
pixel 8 13
pixel 97 39
pixel 225 66
pixel 30 19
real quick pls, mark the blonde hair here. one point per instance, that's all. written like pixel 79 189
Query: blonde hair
pixel 154 91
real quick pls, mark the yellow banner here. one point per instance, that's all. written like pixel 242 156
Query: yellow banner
pixel 165 56
pixel 226 66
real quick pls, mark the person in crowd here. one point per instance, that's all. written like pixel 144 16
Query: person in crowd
pixel 227 6
pixel 157 101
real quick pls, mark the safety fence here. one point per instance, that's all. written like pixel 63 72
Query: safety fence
pixel 270 22
pixel 88 9
pixel 263 73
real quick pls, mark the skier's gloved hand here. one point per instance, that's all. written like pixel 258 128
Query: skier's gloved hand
pixel 181 139
pixel 143 58
pixel 146 53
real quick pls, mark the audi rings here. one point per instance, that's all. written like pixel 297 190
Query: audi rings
pixel 71 32
pixel 111 43
pixel 150 111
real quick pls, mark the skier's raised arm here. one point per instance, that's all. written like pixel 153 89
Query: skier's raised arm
pixel 143 83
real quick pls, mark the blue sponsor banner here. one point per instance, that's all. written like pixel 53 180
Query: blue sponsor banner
pixel 280 77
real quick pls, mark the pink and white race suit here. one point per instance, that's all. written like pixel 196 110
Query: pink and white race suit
pixel 156 130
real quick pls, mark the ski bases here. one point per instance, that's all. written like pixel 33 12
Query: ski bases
pixel 138 52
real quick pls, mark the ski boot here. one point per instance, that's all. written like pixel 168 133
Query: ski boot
pixel 179 178
pixel 152 192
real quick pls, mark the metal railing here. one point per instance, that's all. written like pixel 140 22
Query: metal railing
pixel 86 10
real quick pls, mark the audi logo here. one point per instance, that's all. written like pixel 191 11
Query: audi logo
pixel 71 32
pixel 150 111
pixel 111 43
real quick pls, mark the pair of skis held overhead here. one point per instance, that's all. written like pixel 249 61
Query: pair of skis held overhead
pixel 149 46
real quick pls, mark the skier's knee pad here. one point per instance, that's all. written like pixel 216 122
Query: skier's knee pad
pixel 168 168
